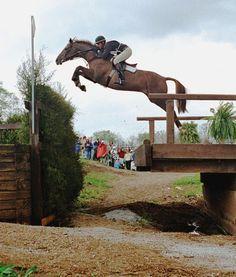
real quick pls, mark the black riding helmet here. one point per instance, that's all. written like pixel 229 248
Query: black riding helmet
pixel 100 39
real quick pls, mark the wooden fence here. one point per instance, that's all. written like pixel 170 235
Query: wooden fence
pixel 216 163
pixel 15 185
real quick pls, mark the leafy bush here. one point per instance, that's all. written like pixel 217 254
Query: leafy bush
pixel 222 127
pixel 19 136
pixel 188 133
pixel 62 171
pixel 15 271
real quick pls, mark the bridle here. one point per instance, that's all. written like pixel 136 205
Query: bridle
pixel 84 51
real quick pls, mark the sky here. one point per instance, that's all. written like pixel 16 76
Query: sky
pixel 193 41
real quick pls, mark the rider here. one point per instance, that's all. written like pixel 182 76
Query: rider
pixel 116 52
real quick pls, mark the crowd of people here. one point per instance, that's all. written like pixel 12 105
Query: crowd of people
pixel 107 153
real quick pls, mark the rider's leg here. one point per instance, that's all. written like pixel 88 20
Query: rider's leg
pixel 120 58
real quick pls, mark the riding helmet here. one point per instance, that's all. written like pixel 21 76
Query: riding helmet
pixel 100 39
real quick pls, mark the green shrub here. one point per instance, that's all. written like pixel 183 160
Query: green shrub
pixel 19 136
pixel 222 126
pixel 16 271
pixel 188 133
pixel 61 169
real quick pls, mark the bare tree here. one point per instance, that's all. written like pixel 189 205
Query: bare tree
pixel 41 74
pixel 9 104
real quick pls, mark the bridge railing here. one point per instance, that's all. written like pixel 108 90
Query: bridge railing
pixel 170 110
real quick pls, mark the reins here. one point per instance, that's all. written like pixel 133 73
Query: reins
pixel 84 51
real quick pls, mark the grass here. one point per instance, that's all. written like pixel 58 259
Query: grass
pixel 188 186
pixel 16 271
pixel 95 185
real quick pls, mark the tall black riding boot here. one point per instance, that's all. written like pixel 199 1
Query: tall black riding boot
pixel 121 74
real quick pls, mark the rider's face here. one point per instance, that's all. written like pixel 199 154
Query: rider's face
pixel 101 44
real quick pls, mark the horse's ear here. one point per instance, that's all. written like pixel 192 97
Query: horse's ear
pixel 70 40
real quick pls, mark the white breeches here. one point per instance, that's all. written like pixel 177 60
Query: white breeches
pixel 122 56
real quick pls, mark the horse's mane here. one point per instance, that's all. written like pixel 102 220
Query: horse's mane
pixel 83 41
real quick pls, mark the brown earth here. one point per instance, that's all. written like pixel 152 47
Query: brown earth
pixel 164 243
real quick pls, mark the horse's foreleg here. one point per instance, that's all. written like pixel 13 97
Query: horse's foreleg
pixel 84 72
pixel 76 79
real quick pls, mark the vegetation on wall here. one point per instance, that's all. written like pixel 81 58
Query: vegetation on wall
pixel 188 133
pixel 222 126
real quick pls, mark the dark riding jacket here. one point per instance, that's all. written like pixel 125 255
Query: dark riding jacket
pixel 111 49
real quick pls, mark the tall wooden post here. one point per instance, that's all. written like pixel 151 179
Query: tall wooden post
pixel 170 120
pixel 36 178
pixel 219 191
pixel 151 131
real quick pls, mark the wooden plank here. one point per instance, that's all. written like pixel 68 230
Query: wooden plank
pixel 151 131
pixel 7 157
pixel 7 176
pixel 7 149
pixel 163 118
pixel 143 155
pixel 170 121
pixel 12 176
pixel 11 126
pixel 13 195
pixel 7 167
pixel 231 97
pixel 7 185
pixel 194 151
pixel 7 205
pixel 193 165
pixel 7 215
pixel 13 204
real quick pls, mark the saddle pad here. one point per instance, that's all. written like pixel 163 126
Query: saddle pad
pixel 131 69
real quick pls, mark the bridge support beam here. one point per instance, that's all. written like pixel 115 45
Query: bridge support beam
pixel 219 191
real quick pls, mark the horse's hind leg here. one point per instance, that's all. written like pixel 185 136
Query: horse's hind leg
pixel 162 104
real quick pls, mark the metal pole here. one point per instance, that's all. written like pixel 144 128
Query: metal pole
pixel 32 75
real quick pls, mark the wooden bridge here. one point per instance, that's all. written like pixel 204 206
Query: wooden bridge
pixel 215 162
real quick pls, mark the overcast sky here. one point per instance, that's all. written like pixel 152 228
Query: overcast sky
pixel 193 41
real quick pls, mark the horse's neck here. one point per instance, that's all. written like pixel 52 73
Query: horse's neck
pixel 90 57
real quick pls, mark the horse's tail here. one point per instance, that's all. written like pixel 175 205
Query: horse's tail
pixel 181 104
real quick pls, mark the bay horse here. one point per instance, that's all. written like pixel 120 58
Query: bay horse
pixel 100 69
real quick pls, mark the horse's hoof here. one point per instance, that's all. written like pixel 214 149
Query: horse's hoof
pixel 83 88
pixel 77 84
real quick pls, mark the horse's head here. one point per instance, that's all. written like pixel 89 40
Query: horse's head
pixel 74 49
pixel 67 53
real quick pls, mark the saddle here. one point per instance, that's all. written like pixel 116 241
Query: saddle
pixel 129 67
pixel 124 66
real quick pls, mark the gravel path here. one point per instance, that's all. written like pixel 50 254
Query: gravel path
pixel 212 256
pixel 97 246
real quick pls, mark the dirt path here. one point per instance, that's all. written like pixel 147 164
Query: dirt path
pixel 162 243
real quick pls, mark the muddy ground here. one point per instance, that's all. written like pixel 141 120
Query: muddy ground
pixel 138 228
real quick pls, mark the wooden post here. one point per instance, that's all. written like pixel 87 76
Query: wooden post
pixel 151 131
pixel 219 191
pixel 36 178
pixel 170 121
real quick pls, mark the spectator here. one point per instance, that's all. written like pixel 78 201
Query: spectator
pixel 78 146
pixel 102 150
pixel 88 149
pixel 128 158
pixel 83 141
pixel 95 148
pixel 121 154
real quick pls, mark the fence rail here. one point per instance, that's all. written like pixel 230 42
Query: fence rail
pixel 230 97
